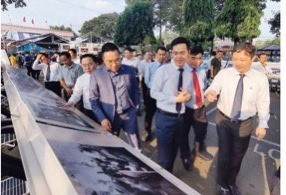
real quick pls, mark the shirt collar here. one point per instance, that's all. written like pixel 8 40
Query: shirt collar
pixel 72 66
pixel 248 73
pixel 177 67
pixel 111 73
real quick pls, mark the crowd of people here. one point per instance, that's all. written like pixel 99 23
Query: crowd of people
pixel 175 93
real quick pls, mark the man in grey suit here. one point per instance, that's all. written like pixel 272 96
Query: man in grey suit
pixel 114 96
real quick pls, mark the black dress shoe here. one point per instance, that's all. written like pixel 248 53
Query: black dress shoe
pixel 223 191
pixel 148 137
pixel 234 190
pixel 186 163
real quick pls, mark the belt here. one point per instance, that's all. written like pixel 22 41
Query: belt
pixel 123 111
pixel 169 113
pixel 234 121
pixel 187 108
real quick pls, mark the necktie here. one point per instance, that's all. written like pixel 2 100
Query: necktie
pixel 48 75
pixel 197 88
pixel 236 107
pixel 180 84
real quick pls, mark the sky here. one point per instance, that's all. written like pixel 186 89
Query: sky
pixel 73 13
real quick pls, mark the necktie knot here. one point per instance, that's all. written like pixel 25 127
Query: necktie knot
pixel 194 69
pixel 242 75
pixel 181 70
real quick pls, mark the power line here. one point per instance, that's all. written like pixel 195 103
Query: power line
pixel 81 6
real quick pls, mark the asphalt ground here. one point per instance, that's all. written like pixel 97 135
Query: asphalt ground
pixel 257 174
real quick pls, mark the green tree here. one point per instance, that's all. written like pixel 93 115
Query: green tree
pixel 275 23
pixel 239 20
pixel 18 3
pixel 62 27
pixel 102 26
pixel 167 13
pixel 198 21
pixel 135 25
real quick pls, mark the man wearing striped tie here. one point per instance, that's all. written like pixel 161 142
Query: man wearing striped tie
pixel 243 93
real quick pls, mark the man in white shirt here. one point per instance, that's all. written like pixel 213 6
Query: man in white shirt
pixel 195 115
pixel 243 93
pixel 262 66
pixel 129 59
pixel 74 57
pixel 51 72
pixel 81 88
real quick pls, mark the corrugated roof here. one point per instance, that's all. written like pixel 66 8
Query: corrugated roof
pixel 273 47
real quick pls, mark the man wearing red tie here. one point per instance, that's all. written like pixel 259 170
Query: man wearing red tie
pixel 195 115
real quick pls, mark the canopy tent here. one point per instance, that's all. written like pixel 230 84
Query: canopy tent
pixel 47 42
pixel 273 52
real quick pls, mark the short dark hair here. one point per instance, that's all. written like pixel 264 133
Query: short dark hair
pixel 247 47
pixel 109 47
pixel 263 53
pixel 45 54
pixel 195 50
pixel 213 53
pixel 161 48
pixel 180 40
pixel 88 55
pixel 72 50
pixel 128 49
pixel 99 58
pixel 67 54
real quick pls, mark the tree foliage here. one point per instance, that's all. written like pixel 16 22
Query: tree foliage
pixel 62 27
pixel 239 20
pixel 18 3
pixel 275 22
pixel 167 13
pixel 102 26
pixel 135 25
pixel 263 43
pixel 198 21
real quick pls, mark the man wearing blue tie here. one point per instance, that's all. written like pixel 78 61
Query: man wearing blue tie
pixel 51 72
pixel 243 93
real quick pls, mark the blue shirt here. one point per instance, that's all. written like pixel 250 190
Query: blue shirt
pixel 150 72
pixel 119 86
pixel 70 74
pixel 165 87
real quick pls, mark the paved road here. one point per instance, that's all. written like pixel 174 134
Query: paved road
pixel 258 167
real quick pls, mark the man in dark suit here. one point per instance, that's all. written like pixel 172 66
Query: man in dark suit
pixel 114 96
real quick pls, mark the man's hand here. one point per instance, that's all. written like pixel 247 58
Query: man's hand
pixel 183 96
pixel 69 91
pixel 39 56
pixel 106 125
pixel 211 96
pixel 68 104
pixel 260 133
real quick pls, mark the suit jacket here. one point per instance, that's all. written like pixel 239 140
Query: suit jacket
pixel 101 92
